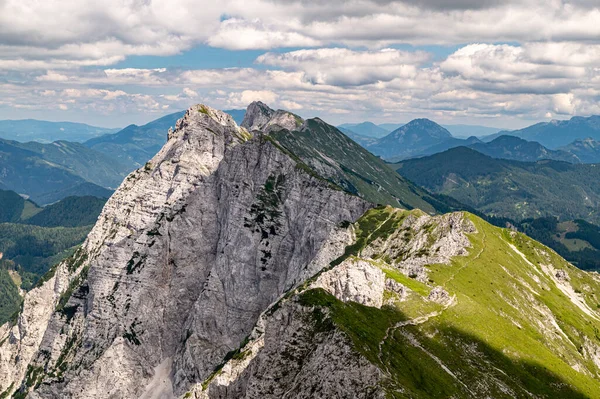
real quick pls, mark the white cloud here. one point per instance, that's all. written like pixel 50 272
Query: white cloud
pixel 564 104
pixel 339 66
pixel 190 93
pixel 549 67
pixel 247 96
pixel 52 76
pixel 290 105
pixel 237 34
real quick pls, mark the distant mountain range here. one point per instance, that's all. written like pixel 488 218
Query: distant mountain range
pixel 369 129
pixel 135 145
pixel 555 134
pixel 464 131
pixel 514 148
pixel 507 188
pixel 32 170
pixel 586 150
pixel 47 132
pixel 423 137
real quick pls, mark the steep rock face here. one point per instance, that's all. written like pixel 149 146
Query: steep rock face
pixel 184 258
pixel 300 354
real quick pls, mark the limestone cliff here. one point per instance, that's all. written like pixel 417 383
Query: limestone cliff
pixel 184 258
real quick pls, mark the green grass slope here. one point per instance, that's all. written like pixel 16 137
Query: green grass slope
pixel 522 321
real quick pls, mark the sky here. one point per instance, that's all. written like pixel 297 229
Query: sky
pixel 501 63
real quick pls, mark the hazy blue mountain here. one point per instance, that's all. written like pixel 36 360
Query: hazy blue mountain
pixel 367 129
pixel 555 134
pixel 91 165
pixel 410 139
pixel 511 147
pixel 45 132
pixel 466 131
pixel 135 145
pixel 587 150
pixel 443 146
pixel 362 140
pixel 26 172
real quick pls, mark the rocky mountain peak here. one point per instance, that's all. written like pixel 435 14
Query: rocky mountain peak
pixel 260 117
pixel 183 259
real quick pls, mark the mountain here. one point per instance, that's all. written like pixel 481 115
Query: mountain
pixel 135 145
pixel 15 207
pixel 69 212
pixel 364 141
pixel 555 134
pixel 511 189
pixel 443 146
pixel 465 131
pixel 93 166
pixel 82 189
pixel 43 181
pixel 511 147
pixel 586 150
pixel 46 132
pixel 410 139
pixel 32 239
pixel 340 160
pixel 504 147
pixel 366 129
pixel 229 268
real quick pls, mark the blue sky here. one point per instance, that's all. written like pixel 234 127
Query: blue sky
pixel 495 63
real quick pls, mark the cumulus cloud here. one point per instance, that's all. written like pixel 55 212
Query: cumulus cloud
pixel 339 66
pixel 348 62
pixel 247 96
pixel 240 34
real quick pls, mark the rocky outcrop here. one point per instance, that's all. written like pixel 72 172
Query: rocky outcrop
pixel 186 255
pixel 260 117
pixel 301 355
pixel 354 280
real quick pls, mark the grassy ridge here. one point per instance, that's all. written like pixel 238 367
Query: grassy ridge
pixel 510 323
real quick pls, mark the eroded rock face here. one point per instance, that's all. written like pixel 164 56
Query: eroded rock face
pixel 301 356
pixel 354 280
pixel 184 258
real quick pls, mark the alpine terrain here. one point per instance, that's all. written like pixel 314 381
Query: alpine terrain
pixel 253 262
